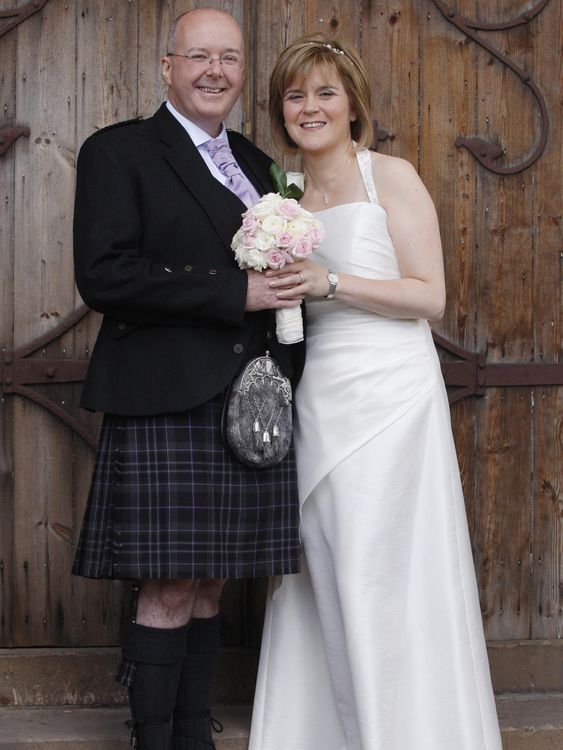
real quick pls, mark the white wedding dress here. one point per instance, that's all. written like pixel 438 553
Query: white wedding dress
pixel 378 643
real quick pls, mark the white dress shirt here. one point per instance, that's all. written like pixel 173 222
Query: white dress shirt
pixel 200 138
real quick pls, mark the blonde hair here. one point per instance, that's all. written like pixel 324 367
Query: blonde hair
pixel 297 62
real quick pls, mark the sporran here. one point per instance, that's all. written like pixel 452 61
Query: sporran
pixel 257 416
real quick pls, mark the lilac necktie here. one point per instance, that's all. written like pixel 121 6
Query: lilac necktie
pixel 219 150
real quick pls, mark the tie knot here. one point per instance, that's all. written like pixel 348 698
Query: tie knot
pixel 220 151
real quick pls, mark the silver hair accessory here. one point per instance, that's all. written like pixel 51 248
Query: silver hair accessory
pixel 333 49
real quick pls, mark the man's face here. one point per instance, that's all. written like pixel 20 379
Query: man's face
pixel 204 93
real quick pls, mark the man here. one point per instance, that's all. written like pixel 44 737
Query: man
pixel 154 217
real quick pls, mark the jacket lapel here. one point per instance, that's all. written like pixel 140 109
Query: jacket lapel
pixel 222 207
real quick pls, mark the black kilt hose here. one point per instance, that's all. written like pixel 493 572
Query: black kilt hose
pixel 168 501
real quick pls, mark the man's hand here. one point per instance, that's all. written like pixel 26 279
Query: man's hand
pixel 261 296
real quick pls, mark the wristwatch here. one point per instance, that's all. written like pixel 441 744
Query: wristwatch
pixel 332 282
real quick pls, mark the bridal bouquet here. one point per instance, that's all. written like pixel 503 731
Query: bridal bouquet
pixel 274 232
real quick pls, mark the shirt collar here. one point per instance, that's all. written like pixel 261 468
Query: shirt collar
pixel 198 136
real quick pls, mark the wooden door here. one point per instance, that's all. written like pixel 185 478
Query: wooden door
pixel 68 68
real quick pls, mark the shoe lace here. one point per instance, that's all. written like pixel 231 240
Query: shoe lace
pixel 216 725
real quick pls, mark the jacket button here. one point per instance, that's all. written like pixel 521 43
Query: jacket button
pixel 212 271
pixel 238 348
pixel 188 268
pixel 122 325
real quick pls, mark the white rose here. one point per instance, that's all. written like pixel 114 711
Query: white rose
pixel 296 228
pixel 266 205
pixel 255 259
pixel 265 241
pixel 273 224
pixel 237 239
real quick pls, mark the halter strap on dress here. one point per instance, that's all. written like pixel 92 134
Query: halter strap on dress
pixel 364 162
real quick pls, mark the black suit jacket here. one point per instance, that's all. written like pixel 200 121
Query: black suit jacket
pixel 152 234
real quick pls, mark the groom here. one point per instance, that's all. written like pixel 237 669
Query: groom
pixel 157 205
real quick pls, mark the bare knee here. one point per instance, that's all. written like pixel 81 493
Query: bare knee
pixel 208 597
pixel 166 603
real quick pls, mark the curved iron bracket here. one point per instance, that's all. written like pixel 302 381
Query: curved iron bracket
pixel 470 374
pixel 8 136
pixel 17 15
pixel 483 151
pixel 19 372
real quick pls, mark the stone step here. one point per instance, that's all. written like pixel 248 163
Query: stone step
pixel 528 722
pixel 97 728
pixel 526 666
pixel 84 677
pixel 531 721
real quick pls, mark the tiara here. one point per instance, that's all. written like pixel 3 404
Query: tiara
pixel 331 47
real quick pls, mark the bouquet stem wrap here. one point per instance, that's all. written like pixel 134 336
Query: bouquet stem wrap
pixel 289 325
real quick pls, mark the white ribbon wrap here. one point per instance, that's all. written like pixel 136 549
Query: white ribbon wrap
pixel 289 325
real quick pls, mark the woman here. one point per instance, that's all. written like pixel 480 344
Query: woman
pixel 378 643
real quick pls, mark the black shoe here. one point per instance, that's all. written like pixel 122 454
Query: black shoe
pixel 149 736
pixel 195 733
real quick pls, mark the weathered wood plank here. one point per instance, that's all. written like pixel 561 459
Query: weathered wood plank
pixel 547 570
pixel 503 309
pixel 502 526
pixel 7 193
pixel 390 50
pixel 547 560
pixel 43 296
pixel 339 20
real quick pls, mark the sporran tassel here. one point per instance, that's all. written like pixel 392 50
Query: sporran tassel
pixel 266 437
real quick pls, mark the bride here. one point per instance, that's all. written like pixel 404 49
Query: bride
pixel 378 643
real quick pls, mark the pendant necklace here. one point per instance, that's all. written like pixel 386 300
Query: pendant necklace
pixel 319 189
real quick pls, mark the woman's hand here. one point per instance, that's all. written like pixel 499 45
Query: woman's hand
pixel 261 296
pixel 301 278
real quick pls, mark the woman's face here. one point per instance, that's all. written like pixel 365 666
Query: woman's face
pixel 317 112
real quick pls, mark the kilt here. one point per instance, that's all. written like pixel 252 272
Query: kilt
pixel 168 501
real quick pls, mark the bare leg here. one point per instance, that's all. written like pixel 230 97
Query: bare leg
pixel 166 603
pixel 208 598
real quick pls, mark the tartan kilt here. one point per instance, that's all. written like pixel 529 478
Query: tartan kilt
pixel 167 500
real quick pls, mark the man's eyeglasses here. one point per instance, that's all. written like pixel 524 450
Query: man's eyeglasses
pixel 199 59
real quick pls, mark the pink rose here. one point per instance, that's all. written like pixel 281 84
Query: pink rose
pixel 276 258
pixel 302 248
pixel 315 234
pixel 249 222
pixel 289 208
pixel 249 241
pixel 284 239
